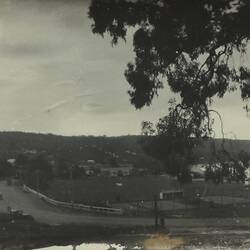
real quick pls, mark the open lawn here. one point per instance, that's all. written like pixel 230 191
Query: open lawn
pixel 222 200
pixel 236 190
pixel 98 190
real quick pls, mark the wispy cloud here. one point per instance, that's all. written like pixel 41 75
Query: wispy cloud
pixel 55 106
pixel 69 101
pixel 51 108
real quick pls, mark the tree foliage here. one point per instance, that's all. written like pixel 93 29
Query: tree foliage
pixel 187 44
pixel 36 172
pixel 172 141
pixel 228 168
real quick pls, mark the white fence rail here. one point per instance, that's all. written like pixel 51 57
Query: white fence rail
pixel 74 205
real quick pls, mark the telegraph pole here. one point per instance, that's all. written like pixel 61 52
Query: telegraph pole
pixel 70 184
pixel 156 210
pixel 37 180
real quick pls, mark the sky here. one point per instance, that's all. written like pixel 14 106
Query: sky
pixel 57 77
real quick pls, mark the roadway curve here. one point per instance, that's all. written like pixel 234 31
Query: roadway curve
pixel 16 198
pixel 44 213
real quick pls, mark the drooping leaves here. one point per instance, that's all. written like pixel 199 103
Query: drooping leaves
pixel 190 42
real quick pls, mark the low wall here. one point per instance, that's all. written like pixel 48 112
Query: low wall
pixel 75 206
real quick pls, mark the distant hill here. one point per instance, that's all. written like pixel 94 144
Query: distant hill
pixel 77 148
pixel 98 148
pixel 203 151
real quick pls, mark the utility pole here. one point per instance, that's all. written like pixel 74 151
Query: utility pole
pixel 37 180
pixel 156 210
pixel 71 173
pixel 70 184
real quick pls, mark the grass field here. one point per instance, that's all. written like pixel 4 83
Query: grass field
pixel 130 190
pixel 97 190
pixel 211 189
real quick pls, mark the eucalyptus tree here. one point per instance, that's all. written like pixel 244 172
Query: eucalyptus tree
pixel 188 45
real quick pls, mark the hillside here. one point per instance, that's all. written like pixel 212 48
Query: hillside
pixel 203 151
pixel 75 148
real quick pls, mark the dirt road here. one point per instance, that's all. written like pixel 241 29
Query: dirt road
pixel 44 213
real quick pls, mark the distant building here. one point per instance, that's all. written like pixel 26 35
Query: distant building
pixel 86 164
pixel 89 172
pixel 12 162
pixel 126 165
pixel 116 171
pixel 88 168
pixel 170 194
pixel 130 152
pixel 83 166
pixel 198 170
pixel 247 172
pixel 105 169
pixel 30 151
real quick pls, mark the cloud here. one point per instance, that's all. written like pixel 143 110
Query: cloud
pixel 56 106
pixel 20 50
pixel 51 108
pixel 62 103
pixel 58 77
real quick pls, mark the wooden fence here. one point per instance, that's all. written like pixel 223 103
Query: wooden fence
pixel 74 206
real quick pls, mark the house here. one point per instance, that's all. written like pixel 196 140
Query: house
pixel 198 170
pixel 86 164
pixel 116 171
pixel 12 162
pixel 30 151
pixel 247 173
pixel 105 169
pixel 91 161
pixel 89 172
pixel 89 166
pixel 126 165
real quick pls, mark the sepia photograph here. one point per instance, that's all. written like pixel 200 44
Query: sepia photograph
pixel 125 125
